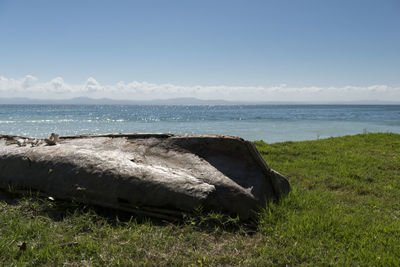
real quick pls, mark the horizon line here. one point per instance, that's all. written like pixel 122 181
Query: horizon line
pixel 179 101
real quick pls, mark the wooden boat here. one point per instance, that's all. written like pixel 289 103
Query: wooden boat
pixel 155 174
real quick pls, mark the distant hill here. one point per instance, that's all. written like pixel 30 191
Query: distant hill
pixel 107 101
pixel 174 101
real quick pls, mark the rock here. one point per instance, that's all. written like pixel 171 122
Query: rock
pixel 52 140
pixel 36 142
pixel 21 142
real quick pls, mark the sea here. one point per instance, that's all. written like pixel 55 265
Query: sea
pixel 271 123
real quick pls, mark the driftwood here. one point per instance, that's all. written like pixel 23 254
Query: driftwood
pixel 154 174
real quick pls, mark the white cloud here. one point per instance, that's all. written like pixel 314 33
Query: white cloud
pixel 57 88
pixel 92 86
pixel 28 81
pixel 55 85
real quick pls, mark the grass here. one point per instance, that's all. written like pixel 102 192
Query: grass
pixel 344 209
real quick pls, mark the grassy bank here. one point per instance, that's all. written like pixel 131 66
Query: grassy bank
pixel 344 209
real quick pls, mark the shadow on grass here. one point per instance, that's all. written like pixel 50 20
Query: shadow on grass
pixel 35 204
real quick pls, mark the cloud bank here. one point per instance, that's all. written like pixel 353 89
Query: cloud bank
pixel 57 88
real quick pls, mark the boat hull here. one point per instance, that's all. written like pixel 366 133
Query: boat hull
pixel 158 174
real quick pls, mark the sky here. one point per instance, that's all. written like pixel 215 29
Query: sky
pixel 250 50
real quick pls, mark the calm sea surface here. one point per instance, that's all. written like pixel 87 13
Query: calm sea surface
pixel 271 123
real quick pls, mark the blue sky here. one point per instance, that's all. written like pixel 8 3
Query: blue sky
pixel 210 44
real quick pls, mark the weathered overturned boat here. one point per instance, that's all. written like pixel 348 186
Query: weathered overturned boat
pixel 155 174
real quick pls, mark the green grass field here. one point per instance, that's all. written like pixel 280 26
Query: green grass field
pixel 344 209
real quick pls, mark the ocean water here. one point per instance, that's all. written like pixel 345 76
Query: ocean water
pixel 271 123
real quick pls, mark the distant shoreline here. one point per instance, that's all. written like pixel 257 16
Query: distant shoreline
pixel 179 101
